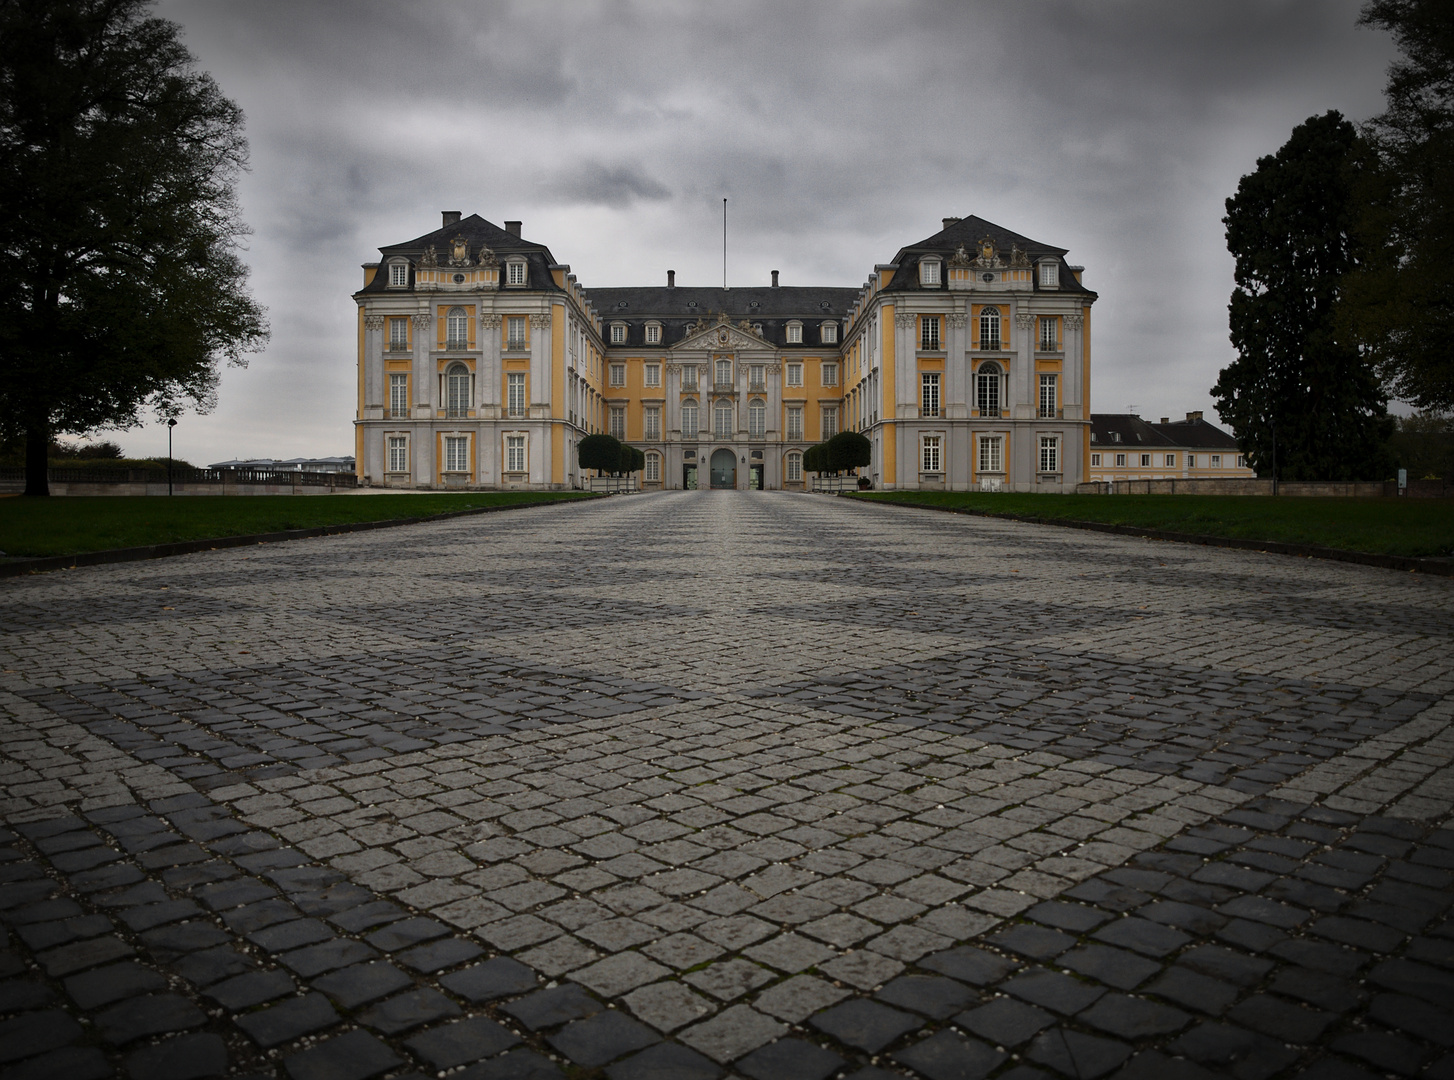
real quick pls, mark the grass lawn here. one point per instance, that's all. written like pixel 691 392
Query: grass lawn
pixel 1386 526
pixel 69 525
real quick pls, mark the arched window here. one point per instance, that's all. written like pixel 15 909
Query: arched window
pixel 724 373
pixel 794 471
pixel 689 419
pixel 989 328
pixel 987 389
pixel 722 420
pixel 756 418
pixel 457 391
pixel 456 329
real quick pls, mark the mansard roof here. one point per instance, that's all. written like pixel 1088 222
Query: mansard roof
pixel 478 233
pixel 1193 433
pixel 677 307
pixel 967 233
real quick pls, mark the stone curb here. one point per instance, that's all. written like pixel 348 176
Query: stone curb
pixel 21 567
pixel 1438 567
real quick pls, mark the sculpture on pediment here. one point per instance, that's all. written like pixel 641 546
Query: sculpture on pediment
pixel 989 255
pixel 961 257
pixel 488 257
pixel 459 252
pixel 696 327
pixel 430 257
pixel 1018 258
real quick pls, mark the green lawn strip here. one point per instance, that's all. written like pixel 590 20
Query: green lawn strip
pixel 1407 527
pixel 71 525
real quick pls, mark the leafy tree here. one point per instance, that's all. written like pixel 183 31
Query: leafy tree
pixel 631 460
pixel 848 450
pixel 1424 445
pixel 813 459
pixel 120 282
pixel 1298 383
pixel 1402 306
pixel 601 452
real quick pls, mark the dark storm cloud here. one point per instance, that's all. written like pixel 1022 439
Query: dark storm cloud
pixel 840 131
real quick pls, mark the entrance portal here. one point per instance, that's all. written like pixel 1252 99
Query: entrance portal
pixel 754 477
pixel 724 469
pixel 689 478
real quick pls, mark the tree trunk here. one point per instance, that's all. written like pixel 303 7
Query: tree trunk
pixel 37 448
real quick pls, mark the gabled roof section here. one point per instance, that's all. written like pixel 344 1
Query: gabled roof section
pixel 967 233
pixel 477 233
pixel 1125 430
pixel 1195 433
pixel 678 307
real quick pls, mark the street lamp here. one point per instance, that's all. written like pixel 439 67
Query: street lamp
pixel 171 423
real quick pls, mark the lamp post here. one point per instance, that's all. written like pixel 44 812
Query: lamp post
pixel 171 423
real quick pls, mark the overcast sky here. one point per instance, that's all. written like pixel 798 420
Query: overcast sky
pixel 840 131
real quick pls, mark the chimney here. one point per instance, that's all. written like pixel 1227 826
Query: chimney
pixel 774 279
pixel 513 228
pixel 950 221
pixel 1193 416
pixel 1166 419
pixel 451 217
pixel 671 279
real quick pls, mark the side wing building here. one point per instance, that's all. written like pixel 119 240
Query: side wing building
pixel 482 361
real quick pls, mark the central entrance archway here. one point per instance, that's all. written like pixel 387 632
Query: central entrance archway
pixel 724 469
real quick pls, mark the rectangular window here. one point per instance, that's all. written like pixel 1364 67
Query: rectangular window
pixel 991 453
pixel 1047 396
pixel 689 420
pixel 795 467
pixel 1191 461
pixel 1047 334
pixel 398 274
pixel 795 333
pixel 929 272
pixel 515 332
pixel 1095 459
pixel 929 332
pixel 830 333
pixel 795 374
pixel 689 377
pixel 1120 461
pixel 515 394
pixel 618 421
pixel 399 396
pixel 653 468
pixel 795 423
pixel 929 393
pixel 398 335
pixel 514 453
pixel 1050 274
pixel 618 374
pixel 618 335
pixel 989 328
pixel 653 334
pixel 653 374
pixel 1145 461
pixel 1171 461
pixel 1216 461
pixel 516 274
pixel 830 421
pixel 1241 461
pixel 931 454
pixel 653 423
pixel 398 453
pixel 722 420
pixel 757 378
pixel 757 420
pixel 1049 454
pixel 830 374
pixel 724 373
pixel 456 453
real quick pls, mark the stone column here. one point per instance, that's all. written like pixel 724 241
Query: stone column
pixel 373 365
pixel 906 365
pixel 489 375
pixel 421 440
pixel 955 391
pixel 1073 392
pixel 1022 376
pixel 540 366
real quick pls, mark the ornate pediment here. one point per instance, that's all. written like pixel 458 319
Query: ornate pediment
pixel 722 334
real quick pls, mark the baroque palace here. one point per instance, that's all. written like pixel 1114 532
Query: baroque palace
pixel 482 361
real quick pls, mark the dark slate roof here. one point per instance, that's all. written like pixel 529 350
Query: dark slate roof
pixel 967 233
pixel 1196 433
pixel 678 307
pixel 1136 433
pixel 477 233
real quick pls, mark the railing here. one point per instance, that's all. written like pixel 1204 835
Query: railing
pixel 613 485
pixel 993 344
pixel 397 414
pixel 724 388
pixel 931 412
pixel 757 388
pixel 834 483
pixel 454 412
pixel 456 344
pixel 398 346
pixel 515 343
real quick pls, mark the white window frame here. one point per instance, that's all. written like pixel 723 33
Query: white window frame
pixel 653 375
pixel 795 422
pixel 398 274
pixel 515 332
pixel 795 333
pixel 931 458
pixel 828 333
pixel 1050 274
pixel 929 386
pixel 1216 462
pixel 931 274
pixel 1241 461
pixel 652 471
pixel 795 374
pixel 991 453
pixel 1050 453
pixel 1170 461
pixel 689 377
pixel 991 337
pixel 830 372
pixel 1191 461
pixel 757 378
pixel 517 453
pixel 757 419
pixel 651 423
pixel 618 333
pixel 398 335
pixel 1120 461
pixel 515 404
pixel 515 275
pixel 618 374
pixel 1145 461
pixel 718 370
pixel 399 394
pixel 1049 395
pixel 458 391
pixel 397 449
pixel 793 468
pixel 1049 333
pixel 1095 460
pixel 829 421
pixel 456 329
pixel 691 419
pixel 930 339
pixel 989 376
pixel 722 420
pixel 616 420
pixel 653 333
pixel 456 454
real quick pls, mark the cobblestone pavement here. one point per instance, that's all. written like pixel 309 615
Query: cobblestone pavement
pixel 704 784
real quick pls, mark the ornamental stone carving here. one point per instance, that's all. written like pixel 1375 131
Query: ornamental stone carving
pixel 1018 258
pixel 373 322
pixel 488 257
pixel 1024 320
pixel 490 322
pixel 423 322
pixel 459 252
pixel 961 257
pixel 955 321
pixel 905 321
pixel 430 257
pixel 1073 322
pixel 540 322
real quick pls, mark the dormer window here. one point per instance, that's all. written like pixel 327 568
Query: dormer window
pixel 1050 275
pixel 515 272
pixel 829 330
pixel 398 274
pixel 929 272
pixel 795 333
pixel 653 333
pixel 618 333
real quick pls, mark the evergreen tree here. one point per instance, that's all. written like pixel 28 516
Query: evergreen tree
pixel 1298 382
pixel 120 283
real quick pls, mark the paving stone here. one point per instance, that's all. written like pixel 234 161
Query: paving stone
pixel 186 1057
pixel 254 988
pixel 1222 1046
pixel 513 1065
pixel 284 937
pixel 1226 964
pixel 1077 918
pixel 1052 990
pixel 732 1033
pixel 439 955
pixel 105 985
pixel 17 994
pixel 1035 942
pixel 46 935
pixel 789 953
pixel 286 1021
pixel 1133 1018
pixel 34 1033
pixel 80 955
pixel 1005 1022
pixel 1115 967
pixel 666 1061
pixel 599 1039
pixel 1143 936
pixel 615 975
pixel 968 964
pixel 497 978
pixel 71 1062
pixel 1076 1054
pixel 682 951
pixel 947 1055
pixel 1280 1019
pixel 1199 992
pixel 729 979
pixel 409 1010
pixel 557 1005
pixel 355 1055
pixel 927 994
pixel 327 956
pixel 461 1042
pixel 667 1006
pixel 865 1024
pixel 213 965
pixel 169 942
pixel 1386 1051
pixel 406 932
